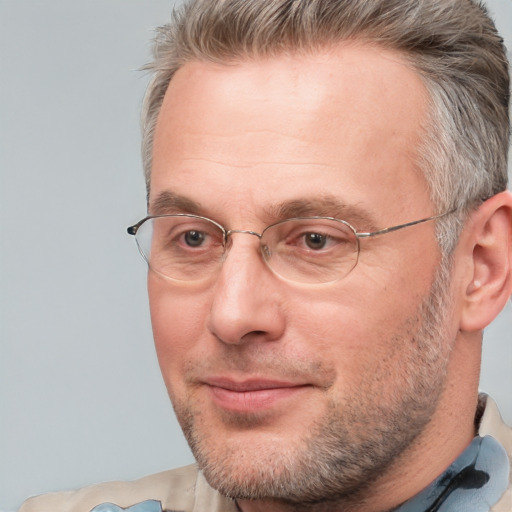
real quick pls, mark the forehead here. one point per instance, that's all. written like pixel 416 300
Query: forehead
pixel 341 119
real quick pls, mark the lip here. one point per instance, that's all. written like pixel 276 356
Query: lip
pixel 251 395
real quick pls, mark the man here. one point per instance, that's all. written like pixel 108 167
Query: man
pixel 328 234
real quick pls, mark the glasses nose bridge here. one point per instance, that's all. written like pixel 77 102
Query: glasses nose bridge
pixel 246 231
pixel 229 232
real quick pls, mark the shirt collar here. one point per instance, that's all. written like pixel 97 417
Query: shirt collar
pixel 475 481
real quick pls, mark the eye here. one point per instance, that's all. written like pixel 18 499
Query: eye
pixel 185 235
pixel 315 241
pixel 316 237
pixel 194 238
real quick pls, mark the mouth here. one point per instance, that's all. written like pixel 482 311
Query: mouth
pixel 252 395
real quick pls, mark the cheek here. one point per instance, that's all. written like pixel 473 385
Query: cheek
pixel 357 328
pixel 178 318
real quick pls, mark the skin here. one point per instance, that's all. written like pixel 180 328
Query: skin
pixel 241 140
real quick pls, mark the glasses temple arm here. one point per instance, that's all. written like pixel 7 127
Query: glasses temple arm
pixel 401 226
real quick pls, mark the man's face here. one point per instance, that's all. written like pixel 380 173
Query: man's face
pixel 290 390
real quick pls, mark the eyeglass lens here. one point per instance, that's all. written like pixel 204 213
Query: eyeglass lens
pixel 188 248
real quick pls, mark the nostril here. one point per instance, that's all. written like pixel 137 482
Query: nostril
pixel 250 336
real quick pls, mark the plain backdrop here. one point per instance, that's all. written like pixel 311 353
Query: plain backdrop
pixel 81 398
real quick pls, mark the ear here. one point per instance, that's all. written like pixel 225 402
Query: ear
pixel 488 243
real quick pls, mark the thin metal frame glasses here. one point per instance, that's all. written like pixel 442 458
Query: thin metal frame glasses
pixel 186 247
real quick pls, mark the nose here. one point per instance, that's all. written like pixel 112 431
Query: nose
pixel 247 297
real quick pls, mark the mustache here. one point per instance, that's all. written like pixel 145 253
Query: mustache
pixel 260 365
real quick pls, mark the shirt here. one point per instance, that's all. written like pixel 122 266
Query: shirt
pixel 478 481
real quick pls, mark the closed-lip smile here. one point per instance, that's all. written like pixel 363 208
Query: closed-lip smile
pixel 251 395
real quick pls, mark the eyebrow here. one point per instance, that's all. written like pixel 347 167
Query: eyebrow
pixel 325 206
pixel 168 203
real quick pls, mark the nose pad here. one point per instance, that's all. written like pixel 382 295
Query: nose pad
pixel 228 239
pixel 228 243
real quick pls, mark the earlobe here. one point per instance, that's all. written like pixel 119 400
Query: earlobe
pixel 489 245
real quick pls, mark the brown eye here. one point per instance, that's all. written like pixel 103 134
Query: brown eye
pixel 315 241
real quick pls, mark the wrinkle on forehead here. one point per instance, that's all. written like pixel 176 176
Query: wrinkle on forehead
pixel 362 74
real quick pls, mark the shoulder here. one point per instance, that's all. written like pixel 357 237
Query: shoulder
pixel 491 424
pixel 182 489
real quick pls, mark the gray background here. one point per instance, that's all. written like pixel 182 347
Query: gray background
pixel 81 398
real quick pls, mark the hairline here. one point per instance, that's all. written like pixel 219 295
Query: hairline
pixel 149 120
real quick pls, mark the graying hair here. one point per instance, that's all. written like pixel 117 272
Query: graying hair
pixel 452 44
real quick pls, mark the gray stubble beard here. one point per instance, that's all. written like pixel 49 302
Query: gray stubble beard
pixel 354 442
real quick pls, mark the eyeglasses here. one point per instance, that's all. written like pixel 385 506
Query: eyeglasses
pixel 186 247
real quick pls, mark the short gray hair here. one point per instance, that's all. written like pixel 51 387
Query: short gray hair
pixel 452 44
